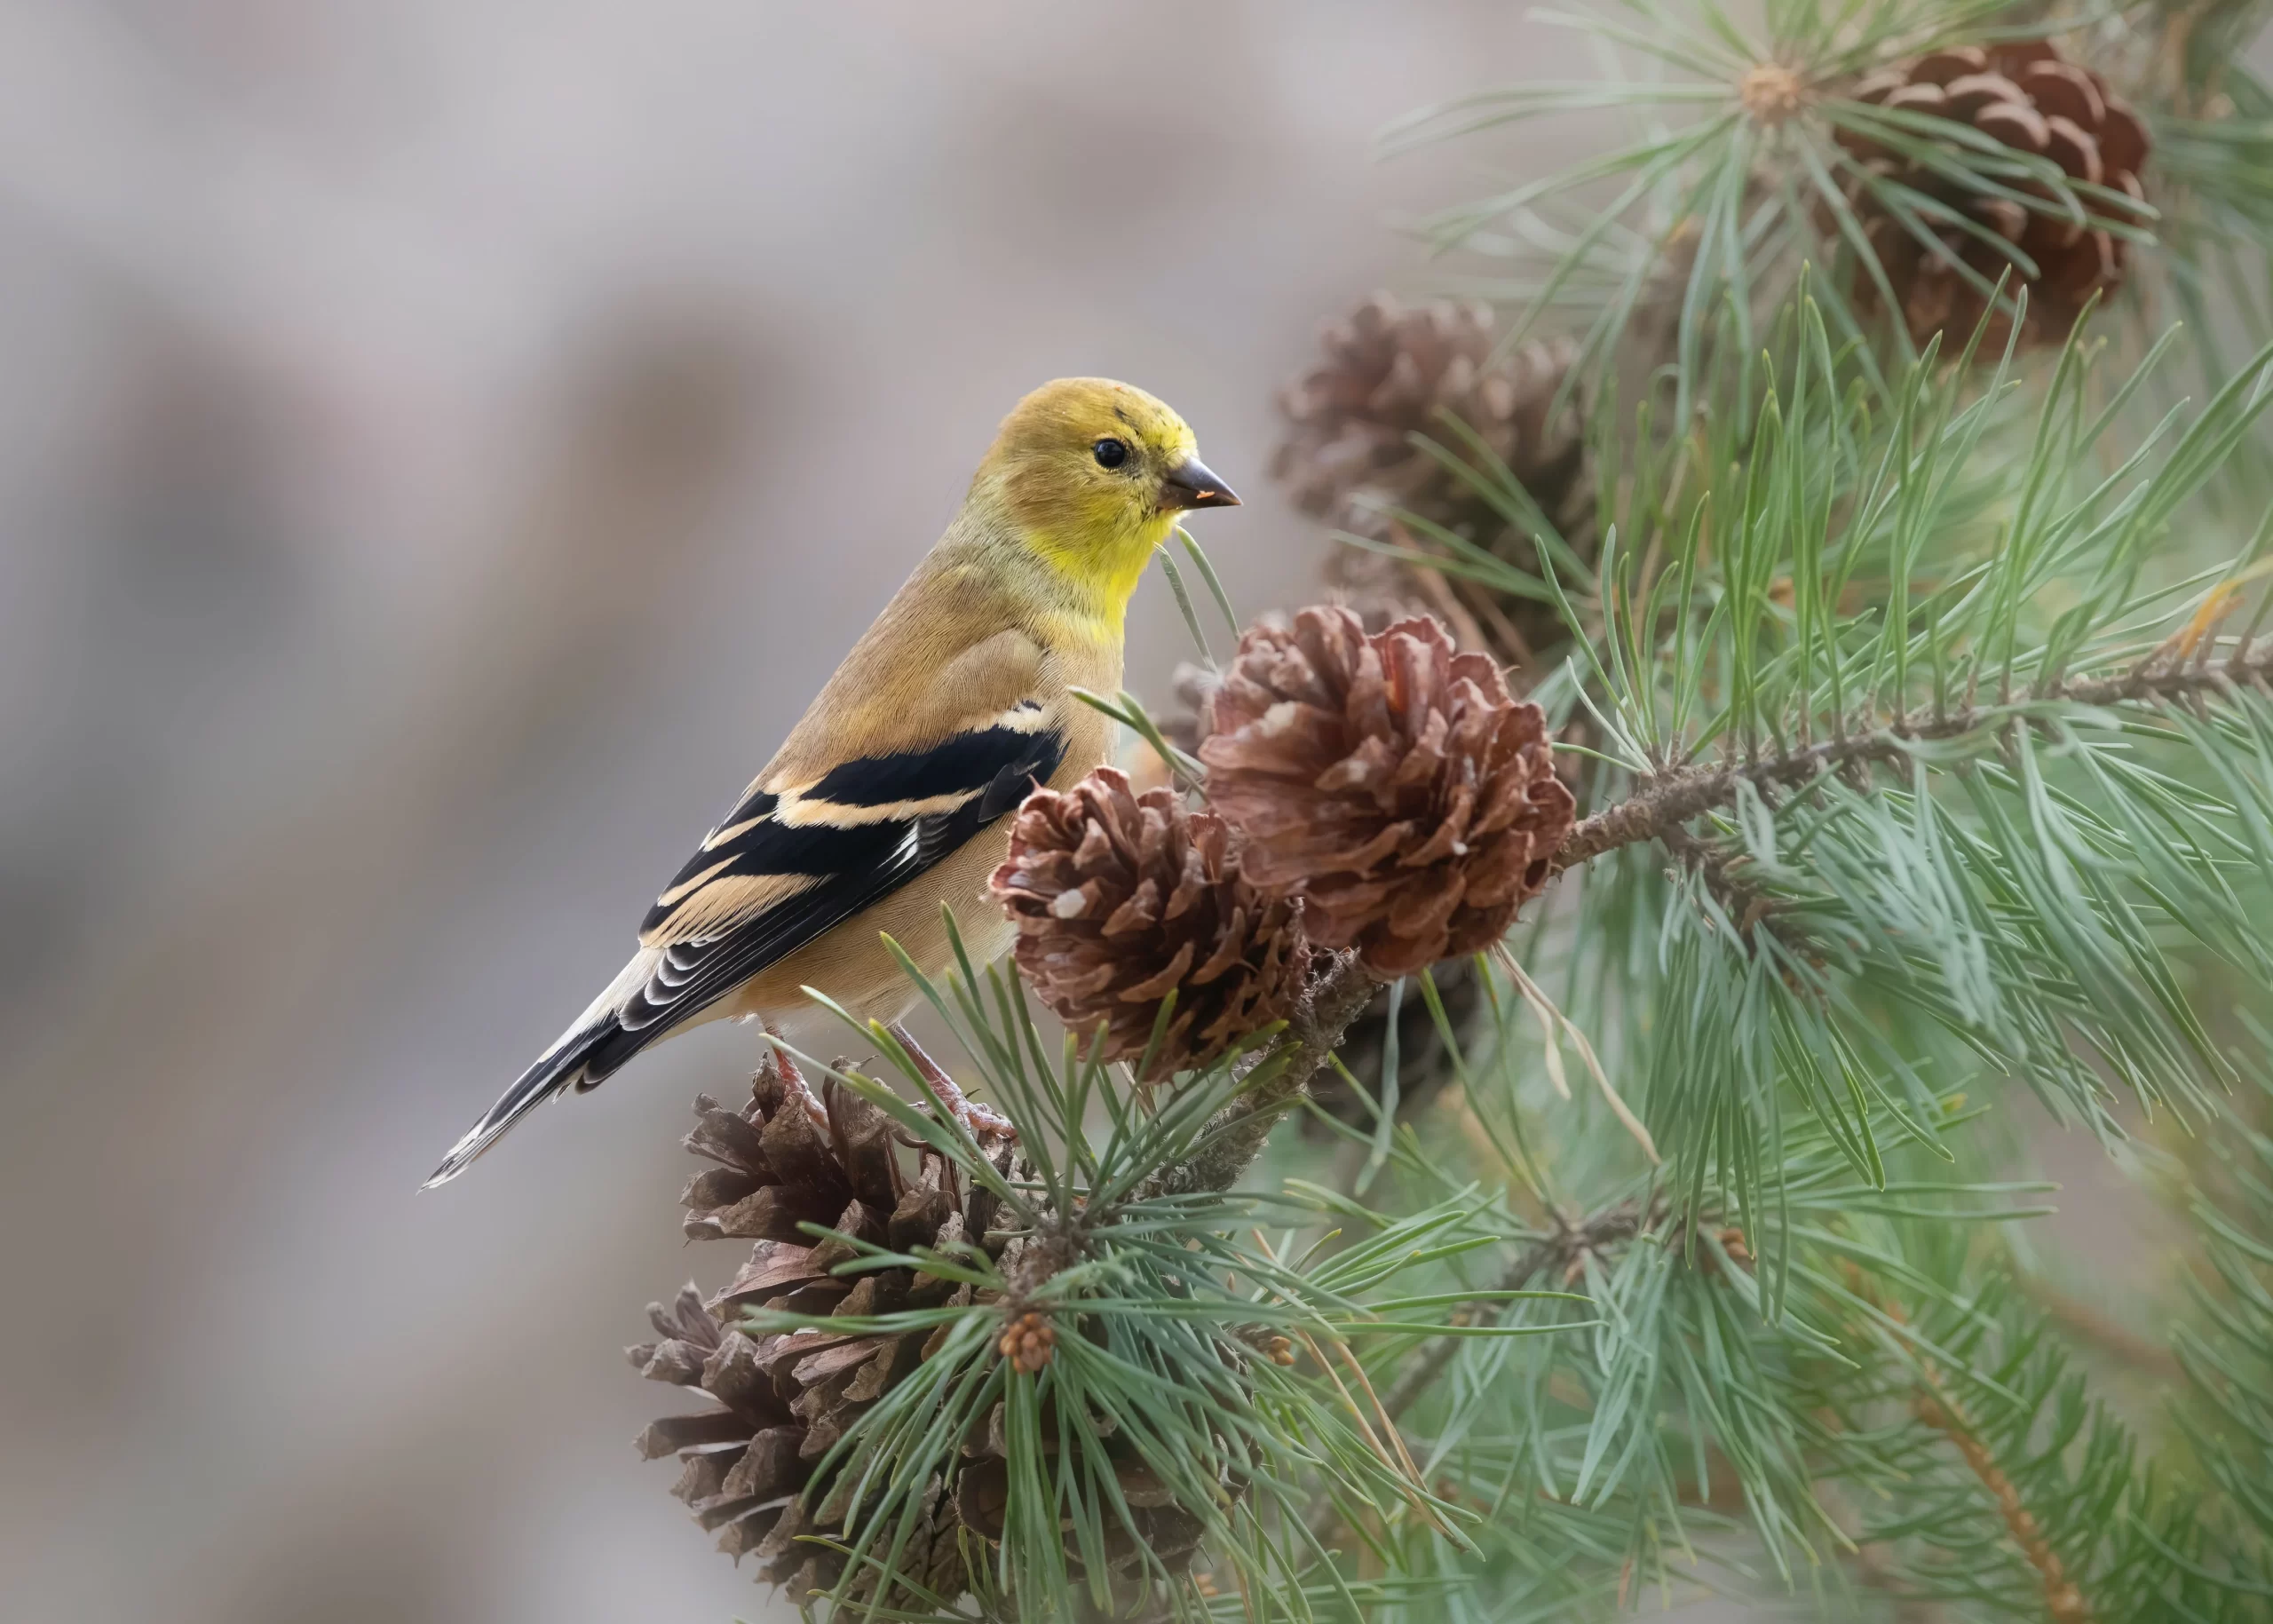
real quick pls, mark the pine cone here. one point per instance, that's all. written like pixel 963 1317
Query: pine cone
pixel 747 1466
pixel 1389 372
pixel 2026 95
pixel 1388 781
pixel 1120 898
pixel 1349 454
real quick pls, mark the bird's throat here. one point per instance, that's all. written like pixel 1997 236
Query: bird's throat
pixel 1099 568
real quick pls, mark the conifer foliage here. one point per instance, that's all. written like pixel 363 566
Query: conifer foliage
pixel 1869 450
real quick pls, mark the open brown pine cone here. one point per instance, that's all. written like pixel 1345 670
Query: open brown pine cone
pixel 1387 780
pixel 2028 96
pixel 1121 898
pixel 1389 373
pixel 781 1402
pixel 1421 1066
pixel 785 1399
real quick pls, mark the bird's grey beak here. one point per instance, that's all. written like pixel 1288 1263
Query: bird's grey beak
pixel 1191 485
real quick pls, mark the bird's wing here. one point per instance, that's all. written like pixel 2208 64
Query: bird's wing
pixel 922 739
pixel 811 844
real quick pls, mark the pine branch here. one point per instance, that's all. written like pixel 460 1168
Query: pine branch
pixel 1553 1254
pixel 1235 1136
pixel 1749 907
pixel 1937 1407
pixel 1667 800
pixel 1933 1403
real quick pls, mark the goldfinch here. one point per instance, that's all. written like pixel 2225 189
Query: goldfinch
pixel 889 795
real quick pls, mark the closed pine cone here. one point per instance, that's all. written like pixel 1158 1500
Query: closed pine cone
pixel 1121 898
pixel 1390 370
pixel 1388 781
pixel 2026 95
pixel 783 1400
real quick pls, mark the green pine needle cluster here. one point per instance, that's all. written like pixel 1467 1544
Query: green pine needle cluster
pixel 1176 1317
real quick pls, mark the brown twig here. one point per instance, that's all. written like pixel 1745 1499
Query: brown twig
pixel 1749 907
pixel 1235 1136
pixel 1661 805
pixel 2082 1319
pixel 1551 1255
pixel 2063 1603
pixel 1934 1404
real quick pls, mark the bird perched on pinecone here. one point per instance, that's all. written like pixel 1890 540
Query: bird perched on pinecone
pixel 888 797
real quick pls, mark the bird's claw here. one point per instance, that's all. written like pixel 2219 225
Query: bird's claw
pixel 793 1079
pixel 981 1122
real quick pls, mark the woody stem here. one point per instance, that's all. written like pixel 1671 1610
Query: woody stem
pixel 1664 802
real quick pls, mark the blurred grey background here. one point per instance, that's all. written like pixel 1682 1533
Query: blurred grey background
pixel 443 444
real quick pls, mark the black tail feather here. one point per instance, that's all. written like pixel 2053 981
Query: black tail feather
pixel 580 1061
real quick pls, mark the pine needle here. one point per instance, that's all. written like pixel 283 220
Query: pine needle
pixel 1556 1025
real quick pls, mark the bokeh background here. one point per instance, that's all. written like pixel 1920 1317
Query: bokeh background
pixel 443 445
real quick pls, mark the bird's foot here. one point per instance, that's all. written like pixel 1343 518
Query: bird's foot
pixel 793 1079
pixel 981 1122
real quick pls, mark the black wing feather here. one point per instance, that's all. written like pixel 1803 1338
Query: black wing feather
pixel 855 867
pixel 966 762
pixel 820 850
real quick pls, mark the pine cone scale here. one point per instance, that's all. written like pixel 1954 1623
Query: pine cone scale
pixel 1159 986
pixel 773 1264
pixel 816 1369
pixel 725 1135
pixel 772 1213
pixel 1141 912
pixel 736 1378
pixel 674 1433
pixel 679 1362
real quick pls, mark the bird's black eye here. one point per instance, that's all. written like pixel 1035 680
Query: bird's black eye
pixel 1109 453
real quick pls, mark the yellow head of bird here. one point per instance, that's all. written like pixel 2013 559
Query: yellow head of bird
pixel 1092 474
